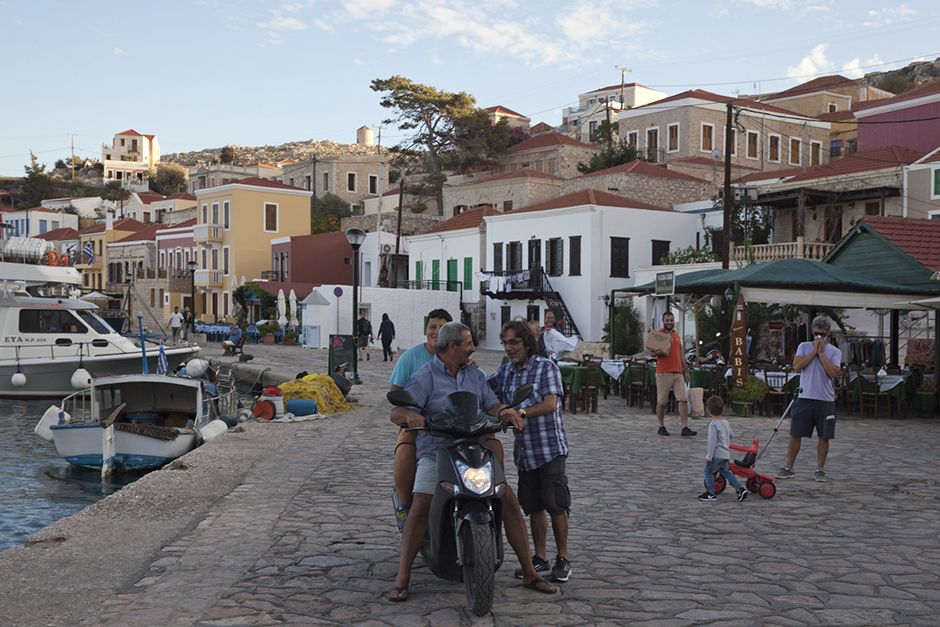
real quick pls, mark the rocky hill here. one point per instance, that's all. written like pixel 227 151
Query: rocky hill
pixel 298 151
pixel 916 73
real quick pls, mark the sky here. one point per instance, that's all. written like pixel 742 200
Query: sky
pixel 207 73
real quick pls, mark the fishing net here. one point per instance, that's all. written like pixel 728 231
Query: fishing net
pixel 319 388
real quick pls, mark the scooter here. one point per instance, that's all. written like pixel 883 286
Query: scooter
pixel 463 541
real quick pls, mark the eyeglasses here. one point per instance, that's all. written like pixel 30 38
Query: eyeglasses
pixel 513 342
pixel 820 334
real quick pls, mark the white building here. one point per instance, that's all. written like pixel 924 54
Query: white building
pixel 36 221
pixel 584 120
pixel 129 156
pixel 86 207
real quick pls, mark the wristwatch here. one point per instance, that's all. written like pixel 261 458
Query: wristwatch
pixel 522 413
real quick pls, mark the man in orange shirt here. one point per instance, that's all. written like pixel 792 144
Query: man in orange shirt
pixel 672 375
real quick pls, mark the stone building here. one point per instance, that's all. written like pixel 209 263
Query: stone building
pixel 352 178
pixel 551 153
pixel 648 183
pixel 504 192
pixel 208 175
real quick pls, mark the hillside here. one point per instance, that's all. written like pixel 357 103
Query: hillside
pixel 898 81
pixel 298 151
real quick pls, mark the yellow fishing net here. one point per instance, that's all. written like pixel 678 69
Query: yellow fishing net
pixel 319 388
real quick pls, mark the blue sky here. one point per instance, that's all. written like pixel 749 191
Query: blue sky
pixel 206 73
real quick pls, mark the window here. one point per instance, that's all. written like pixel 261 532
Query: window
pixel 270 217
pixel 935 192
pixel 467 272
pixel 796 147
pixel 514 257
pixel 751 151
pixel 226 215
pixel 497 257
pixel 435 274
pixel 672 138
pixel 555 257
pixel 351 182
pixel 535 253
pixel 708 137
pixel 308 181
pixel 832 108
pixel 660 250
pixel 215 258
pixel 290 182
pixel 652 138
pixel 507 206
pixel 620 257
pixel 42 226
pixel 122 141
pixel 815 153
pixel 633 138
pixel 574 255
pixel 734 142
pixel 592 129
pixel 418 271
pixel 873 208
pixel 215 213
pixel 326 182
pixel 373 184
pixel 225 260
pixel 224 303
pixel 835 148
pixel 773 149
pixel 205 214
pixel 45 321
pixel 55 225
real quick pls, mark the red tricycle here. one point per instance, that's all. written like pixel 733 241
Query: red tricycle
pixel 755 482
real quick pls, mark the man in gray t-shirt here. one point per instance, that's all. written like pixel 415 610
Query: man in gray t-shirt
pixel 818 363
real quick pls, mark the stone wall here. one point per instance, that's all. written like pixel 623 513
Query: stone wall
pixel 561 158
pixel 411 224
pixel 337 170
pixel 172 218
pixel 521 192
pixel 659 191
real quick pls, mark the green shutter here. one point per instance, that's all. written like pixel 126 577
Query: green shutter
pixel 435 274
pixel 467 272
pixel 936 182
pixel 418 272
pixel 451 275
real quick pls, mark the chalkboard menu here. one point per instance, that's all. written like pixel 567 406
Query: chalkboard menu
pixel 342 351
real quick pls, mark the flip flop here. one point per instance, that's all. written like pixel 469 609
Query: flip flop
pixel 545 588
pixel 400 590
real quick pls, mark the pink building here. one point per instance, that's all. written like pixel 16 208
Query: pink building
pixel 908 120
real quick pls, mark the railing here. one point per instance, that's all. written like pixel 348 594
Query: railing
pixel 276 276
pixel 208 277
pixel 150 273
pixel 517 280
pixel 207 231
pixel 450 286
pixel 814 251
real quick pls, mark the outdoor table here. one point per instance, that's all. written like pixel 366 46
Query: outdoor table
pixel 697 378
pixel 899 386
pixel 573 378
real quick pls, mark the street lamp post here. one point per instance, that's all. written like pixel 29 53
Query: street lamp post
pixel 355 238
pixel 191 266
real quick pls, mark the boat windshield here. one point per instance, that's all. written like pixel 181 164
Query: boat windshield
pixel 95 322
pixel 49 321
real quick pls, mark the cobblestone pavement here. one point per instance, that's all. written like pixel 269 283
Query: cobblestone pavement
pixel 309 537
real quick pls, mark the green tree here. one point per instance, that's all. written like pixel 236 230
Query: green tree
pixel 431 114
pixel 60 164
pixel 599 138
pixel 228 154
pixel 114 191
pixel 324 223
pixel 896 84
pixel 612 156
pixel 477 141
pixel 688 255
pixel 38 185
pixel 750 225
pixel 333 205
pixel 167 179
pixel 627 329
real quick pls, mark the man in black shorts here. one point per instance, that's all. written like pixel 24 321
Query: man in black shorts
pixel 818 363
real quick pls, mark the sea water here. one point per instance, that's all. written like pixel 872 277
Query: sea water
pixel 37 487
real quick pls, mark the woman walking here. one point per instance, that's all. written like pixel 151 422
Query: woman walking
pixel 386 334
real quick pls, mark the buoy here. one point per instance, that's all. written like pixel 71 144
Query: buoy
pixel 52 257
pixel 18 379
pixel 229 419
pixel 264 410
pixel 81 379
pixel 212 430
pixel 196 368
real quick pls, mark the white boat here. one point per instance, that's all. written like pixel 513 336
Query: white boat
pixel 47 333
pixel 136 422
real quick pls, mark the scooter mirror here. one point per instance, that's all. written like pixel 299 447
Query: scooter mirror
pixel 522 392
pixel 401 398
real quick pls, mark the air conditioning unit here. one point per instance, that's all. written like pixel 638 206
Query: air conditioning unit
pixel 386 248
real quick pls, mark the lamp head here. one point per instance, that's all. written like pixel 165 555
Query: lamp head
pixel 355 237
pixel 191 266
pixel 729 294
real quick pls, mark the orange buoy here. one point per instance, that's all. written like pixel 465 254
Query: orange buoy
pixel 264 410
pixel 63 259
pixel 52 257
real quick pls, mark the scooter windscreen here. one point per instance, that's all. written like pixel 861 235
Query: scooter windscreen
pixel 463 412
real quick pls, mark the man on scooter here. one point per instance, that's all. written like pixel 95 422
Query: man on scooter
pixel 448 372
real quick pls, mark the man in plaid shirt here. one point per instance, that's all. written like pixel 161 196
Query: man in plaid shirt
pixel 540 450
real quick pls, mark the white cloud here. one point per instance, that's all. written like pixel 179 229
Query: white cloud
pixel 280 23
pixel 323 25
pixel 889 16
pixel 118 51
pixel 771 4
pixel 366 9
pixel 591 21
pixel 812 65
pixel 854 68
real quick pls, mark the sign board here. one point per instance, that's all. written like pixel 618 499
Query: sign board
pixel 337 292
pixel 342 351
pixel 312 336
pixel 666 283
pixel 738 345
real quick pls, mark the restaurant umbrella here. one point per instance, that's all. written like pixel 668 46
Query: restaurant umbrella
pixel 281 308
pixel 294 322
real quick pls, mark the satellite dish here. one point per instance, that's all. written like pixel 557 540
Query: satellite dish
pixel 716 155
pixel 386 225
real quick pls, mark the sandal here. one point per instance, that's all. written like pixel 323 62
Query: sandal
pixel 402 594
pixel 540 585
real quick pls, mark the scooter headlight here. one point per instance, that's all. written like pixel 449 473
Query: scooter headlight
pixel 479 480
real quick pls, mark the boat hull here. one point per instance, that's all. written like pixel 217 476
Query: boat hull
pixel 81 445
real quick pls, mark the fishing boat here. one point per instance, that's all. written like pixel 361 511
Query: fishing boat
pixel 51 341
pixel 138 422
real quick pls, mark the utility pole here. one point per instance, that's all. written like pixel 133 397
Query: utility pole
pixel 314 185
pixel 623 74
pixel 610 140
pixel 725 325
pixel 73 157
pixel 378 215
pixel 401 200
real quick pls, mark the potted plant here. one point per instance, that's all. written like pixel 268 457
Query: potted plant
pixel 926 398
pixel 267 331
pixel 290 337
pixel 743 398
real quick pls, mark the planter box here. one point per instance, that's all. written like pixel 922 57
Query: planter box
pixel 743 408
pixel 268 338
pixel 290 342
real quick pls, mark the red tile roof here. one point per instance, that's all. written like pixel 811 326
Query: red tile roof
pixel 862 161
pixel 707 95
pixel 466 220
pixel 646 169
pixel 590 197
pixel 149 197
pixel 547 140
pixel 301 290
pixel 124 224
pixel 838 116
pixel 823 83
pixel 144 235
pixel 502 109
pixel 39 209
pixel 918 238
pixel 515 174
pixel 917 92
pixel 66 232
pixel 768 175
pixel 131 132
pixel 259 182
pixel 541 127
pixel 180 196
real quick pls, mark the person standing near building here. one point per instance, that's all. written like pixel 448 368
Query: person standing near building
pixel 364 333
pixel 386 335
pixel 672 375
pixel 176 321
pixel 187 323
pixel 818 363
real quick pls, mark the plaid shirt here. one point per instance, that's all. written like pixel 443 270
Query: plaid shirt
pixel 543 438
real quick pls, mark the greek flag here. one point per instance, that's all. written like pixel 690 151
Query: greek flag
pixel 162 365
pixel 90 251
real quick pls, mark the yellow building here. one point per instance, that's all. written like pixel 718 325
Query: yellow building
pixel 235 224
pixel 99 236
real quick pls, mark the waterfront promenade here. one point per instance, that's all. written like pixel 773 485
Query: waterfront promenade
pixel 292 524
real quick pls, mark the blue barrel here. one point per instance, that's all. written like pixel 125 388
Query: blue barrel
pixel 301 407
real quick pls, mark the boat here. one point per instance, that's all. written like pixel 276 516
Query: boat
pixel 138 422
pixel 51 341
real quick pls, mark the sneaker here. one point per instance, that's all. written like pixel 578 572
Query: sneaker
pixel 562 569
pixel 542 567
pixel 686 431
pixel 785 473
pixel 820 475
pixel 742 493
pixel 708 496
pixel 662 431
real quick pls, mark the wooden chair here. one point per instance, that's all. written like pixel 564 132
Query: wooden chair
pixel 843 390
pixel 777 394
pixel 635 383
pixel 591 388
pixel 870 393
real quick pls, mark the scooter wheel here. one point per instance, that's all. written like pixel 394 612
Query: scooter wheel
pixel 753 484
pixel 767 489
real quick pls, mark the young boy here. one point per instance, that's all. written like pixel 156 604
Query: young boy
pixel 719 437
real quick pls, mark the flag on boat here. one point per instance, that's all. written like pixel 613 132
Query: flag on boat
pixel 162 365
pixel 90 251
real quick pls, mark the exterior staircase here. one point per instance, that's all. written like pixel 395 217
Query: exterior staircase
pixel 537 287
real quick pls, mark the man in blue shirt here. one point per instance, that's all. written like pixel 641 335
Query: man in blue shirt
pixel 540 450
pixel 446 373
pixel 229 345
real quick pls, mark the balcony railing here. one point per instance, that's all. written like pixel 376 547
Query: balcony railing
pixel 450 286
pixel 275 276
pixel 209 278
pixel 524 281
pixel 814 251
pixel 150 273
pixel 207 232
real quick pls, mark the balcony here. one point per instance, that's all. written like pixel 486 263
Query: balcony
pixel 515 285
pixel 275 276
pixel 207 233
pixel 814 251
pixel 209 278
